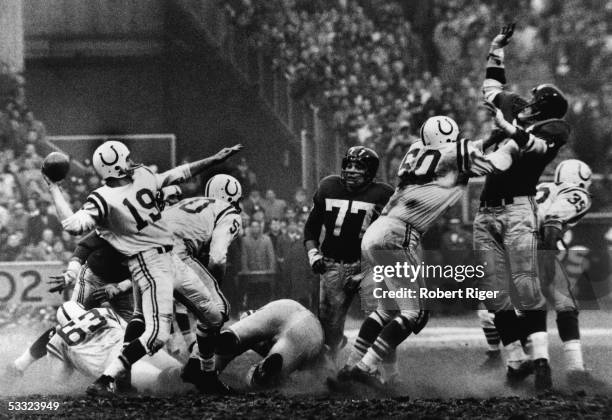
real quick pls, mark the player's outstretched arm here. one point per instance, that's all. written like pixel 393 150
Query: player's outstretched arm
pixel 62 206
pixel 188 170
pixel 495 75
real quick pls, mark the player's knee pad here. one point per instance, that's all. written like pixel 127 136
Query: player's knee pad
pixel 567 324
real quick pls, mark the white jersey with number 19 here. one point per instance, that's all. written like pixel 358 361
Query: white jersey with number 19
pixel 433 178
pixel 128 216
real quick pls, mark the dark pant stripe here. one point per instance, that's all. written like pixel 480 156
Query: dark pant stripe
pixel 153 289
pixel 217 289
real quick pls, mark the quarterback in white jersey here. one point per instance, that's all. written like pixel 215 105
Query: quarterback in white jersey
pixel 127 214
pixel 432 177
pixel 86 341
pixel 286 334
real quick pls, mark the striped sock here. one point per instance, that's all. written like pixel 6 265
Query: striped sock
pixel 390 337
pixel 206 339
pixel 492 336
pixel 368 332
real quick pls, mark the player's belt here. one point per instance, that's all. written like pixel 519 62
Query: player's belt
pixel 163 249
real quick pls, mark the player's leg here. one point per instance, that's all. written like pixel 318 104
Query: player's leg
pixel 211 284
pixel 37 350
pixel 521 242
pixel 334 303
pixel 491 254
pixel 191 292
pixel 487 323
pixel 153 274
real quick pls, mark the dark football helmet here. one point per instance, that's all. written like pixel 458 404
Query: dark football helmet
pixel 547 102
pixel 359 167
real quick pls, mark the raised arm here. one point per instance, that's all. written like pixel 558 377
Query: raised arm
pixel 188 170
pixel 495 74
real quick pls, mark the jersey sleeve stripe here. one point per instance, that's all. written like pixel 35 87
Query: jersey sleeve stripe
pixel 54 351
pixel 225 211
pixel 96 204
pixel 466 156
pixel 459 158
pixel 102 201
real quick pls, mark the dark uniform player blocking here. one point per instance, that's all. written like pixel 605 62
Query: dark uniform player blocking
pixel 505 228
pixel 345 205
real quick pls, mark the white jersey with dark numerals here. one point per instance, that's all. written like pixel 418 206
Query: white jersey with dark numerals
pixel 562 204
pixel 128 216
pixel 433 178
pixel 88 343
pixel 200 221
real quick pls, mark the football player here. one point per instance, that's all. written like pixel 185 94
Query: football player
pixel 86 341
pixel 505 227
pixel 345 205
pixel 286 334
pixel 432 177
pixel 211 222
pixel 561 204
pixel 126 213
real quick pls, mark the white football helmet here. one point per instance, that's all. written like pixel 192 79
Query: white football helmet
pixel 575 172
pixel 69 311
pixel 224 187
pixel 112 160
pixel 439 130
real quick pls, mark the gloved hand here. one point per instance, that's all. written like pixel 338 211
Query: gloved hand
pixel 106 293
pixel 503 38
pixel 59 283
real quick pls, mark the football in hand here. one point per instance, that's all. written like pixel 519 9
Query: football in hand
pixel 56 166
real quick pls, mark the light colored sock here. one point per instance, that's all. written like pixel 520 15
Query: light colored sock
pixel 23 361
pixel 114 368
pixel 572 353
pixel 528 348
pixel 539 341
pixel 370 361
pixel 515 354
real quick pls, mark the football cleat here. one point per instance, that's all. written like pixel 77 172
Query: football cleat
pixel 104 386
pixel 543 375
pixel 267 372
pixel 493 362
pixel 344 374
pixel 515 376
pixel 124 383
pixel 372 379
pixel 584 378
pixel 209 383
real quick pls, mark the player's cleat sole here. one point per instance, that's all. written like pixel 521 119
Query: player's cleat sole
pixel 583 378
pixel 104 386
pixel 543 375
pixel 267 372
pixel 516 376
pixel 493 362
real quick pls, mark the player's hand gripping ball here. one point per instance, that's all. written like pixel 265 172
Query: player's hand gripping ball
pixel 56 166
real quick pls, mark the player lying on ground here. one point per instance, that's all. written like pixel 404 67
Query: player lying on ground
pixel 432 177
pixel 127 214
pixel 286 334
pixel 561 204
pixel 86 341
pixel 345 205
pixel 505 227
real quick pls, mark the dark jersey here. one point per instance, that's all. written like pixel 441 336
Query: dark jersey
pixel 102 259
pixel 523 177
pixel 345 215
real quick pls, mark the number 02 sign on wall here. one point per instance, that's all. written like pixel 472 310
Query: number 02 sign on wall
pixel 26 282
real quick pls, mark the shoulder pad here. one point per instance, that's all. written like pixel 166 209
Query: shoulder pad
pixel 329 185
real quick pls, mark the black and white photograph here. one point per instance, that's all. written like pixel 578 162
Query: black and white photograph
pixel 299 209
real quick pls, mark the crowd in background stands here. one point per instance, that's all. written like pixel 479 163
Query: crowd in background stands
pixel 379 68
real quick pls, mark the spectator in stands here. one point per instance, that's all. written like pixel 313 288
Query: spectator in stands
pixel 258 266
pixel 9 186
pixel 30 158
pixel 43 250
pixel 260 216
pixel 5 216
pixel 456 244
pixel 12 249
pixel 60 253
pixel 297 279
pixel 272 206
pixel 35 130
pixel 252 203
pixel 19 218
pixel 39 220
pixel 301 203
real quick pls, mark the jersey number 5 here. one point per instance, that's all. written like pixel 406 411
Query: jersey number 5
pixel 146 199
